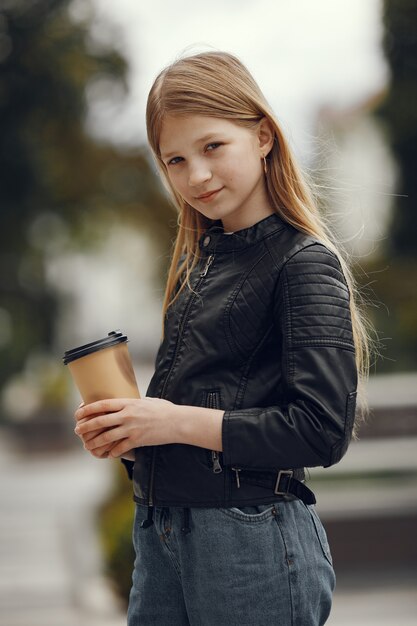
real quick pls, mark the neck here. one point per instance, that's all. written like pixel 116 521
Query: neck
pixel 240 222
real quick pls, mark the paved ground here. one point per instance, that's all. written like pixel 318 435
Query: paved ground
pixel 382 601
pixel 49 557
pixel 365 494
pixel 50 565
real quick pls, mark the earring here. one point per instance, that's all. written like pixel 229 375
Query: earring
pixel 265 166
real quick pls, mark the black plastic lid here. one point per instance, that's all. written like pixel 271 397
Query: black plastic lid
pixel 112 339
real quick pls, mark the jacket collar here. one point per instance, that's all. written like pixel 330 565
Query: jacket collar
pixel 214 238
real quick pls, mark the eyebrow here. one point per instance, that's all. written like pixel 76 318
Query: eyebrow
pixel 200 140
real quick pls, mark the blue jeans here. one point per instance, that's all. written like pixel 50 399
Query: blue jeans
pixel 268 564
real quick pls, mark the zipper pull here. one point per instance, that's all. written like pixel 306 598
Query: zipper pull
pixel 209 262
pixel 216 463
pixel 236 471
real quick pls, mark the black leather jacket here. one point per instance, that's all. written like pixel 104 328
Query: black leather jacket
pixel 266 336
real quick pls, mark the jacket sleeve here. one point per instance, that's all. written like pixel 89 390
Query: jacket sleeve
pixel 312 425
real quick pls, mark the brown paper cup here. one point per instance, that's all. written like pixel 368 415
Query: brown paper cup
pixel 103 369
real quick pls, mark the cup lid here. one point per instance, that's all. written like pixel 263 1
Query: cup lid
pixel 113 338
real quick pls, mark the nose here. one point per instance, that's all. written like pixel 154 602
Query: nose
pixel 198 174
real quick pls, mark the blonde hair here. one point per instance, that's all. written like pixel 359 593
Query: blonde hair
pixel 217 84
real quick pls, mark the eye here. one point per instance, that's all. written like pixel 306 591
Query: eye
pixel 174 161
pixel 213 146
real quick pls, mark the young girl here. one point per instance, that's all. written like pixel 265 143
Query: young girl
pixel 255 379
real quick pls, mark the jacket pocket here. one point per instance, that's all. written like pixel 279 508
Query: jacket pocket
pixel 211 400
pixel 339 449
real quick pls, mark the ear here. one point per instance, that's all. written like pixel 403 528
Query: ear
pixel 266 136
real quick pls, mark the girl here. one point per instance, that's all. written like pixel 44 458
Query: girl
pixel 256 376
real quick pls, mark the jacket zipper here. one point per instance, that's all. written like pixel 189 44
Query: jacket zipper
pixel 217 468
pixel 215 458
pixel 203 273
pixel 206 267
pixel 236 471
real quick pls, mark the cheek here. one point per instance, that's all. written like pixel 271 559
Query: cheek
pixel 253 169
pixel 239 174
pixel 242 167
pixel 231 172
pixel 176 183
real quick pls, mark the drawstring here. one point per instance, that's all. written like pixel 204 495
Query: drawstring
pixel 149 520
pixel 186 525
pixel 186 517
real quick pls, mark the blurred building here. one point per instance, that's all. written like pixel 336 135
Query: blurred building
pixel 115 286
pixel 357 172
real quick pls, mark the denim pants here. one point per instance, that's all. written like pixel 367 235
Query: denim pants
pixel 248 566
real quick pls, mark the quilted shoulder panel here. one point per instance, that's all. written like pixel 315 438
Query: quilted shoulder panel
pixel 316 299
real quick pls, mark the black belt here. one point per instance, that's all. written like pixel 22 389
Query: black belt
pixel 281 483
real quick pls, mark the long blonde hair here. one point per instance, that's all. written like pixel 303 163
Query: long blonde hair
pixel 217 84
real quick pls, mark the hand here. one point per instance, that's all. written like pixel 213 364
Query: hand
pixel 114 427
pixel 100 453
pixel 103 451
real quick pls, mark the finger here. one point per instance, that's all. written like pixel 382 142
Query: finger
pixel 130 455
pixel 78 408
pixel 91 435
pixel 97 451
pixel 100 422
pixel 121 448
pixel 110 405
pixel 109 437
pixel 102 452
pixel 79 424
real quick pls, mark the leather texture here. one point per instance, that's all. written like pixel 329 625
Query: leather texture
pixel 265 335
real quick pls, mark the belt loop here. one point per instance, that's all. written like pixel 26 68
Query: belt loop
pixel 186 524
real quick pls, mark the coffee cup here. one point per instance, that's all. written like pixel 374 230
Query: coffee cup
pixel 103 369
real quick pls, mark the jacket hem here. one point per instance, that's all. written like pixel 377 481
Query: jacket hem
pixel 216 504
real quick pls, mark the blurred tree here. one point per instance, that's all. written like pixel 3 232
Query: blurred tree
pixel 114 522
pixel 55 178
pixel 396 282
pixel 399 110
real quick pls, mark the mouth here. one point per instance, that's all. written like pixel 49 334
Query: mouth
pixel 209 195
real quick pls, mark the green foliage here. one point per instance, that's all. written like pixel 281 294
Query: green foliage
pixel 60 187
pixel 399 110
pixel 391 288
pixel 115 522
pixel 55 178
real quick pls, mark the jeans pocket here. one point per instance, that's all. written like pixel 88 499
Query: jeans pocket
pixel 250 514
pixel 321 533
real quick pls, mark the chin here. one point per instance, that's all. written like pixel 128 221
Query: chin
pixel 210 215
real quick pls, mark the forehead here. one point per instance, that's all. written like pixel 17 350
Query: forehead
pixel 179 131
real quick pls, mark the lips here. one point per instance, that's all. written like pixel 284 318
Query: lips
pixel 209 194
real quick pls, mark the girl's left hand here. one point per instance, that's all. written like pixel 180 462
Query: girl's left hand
pixel 127 422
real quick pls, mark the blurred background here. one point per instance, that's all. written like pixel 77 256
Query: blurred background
pixel 85 241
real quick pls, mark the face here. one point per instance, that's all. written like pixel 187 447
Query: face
pixel 217 167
